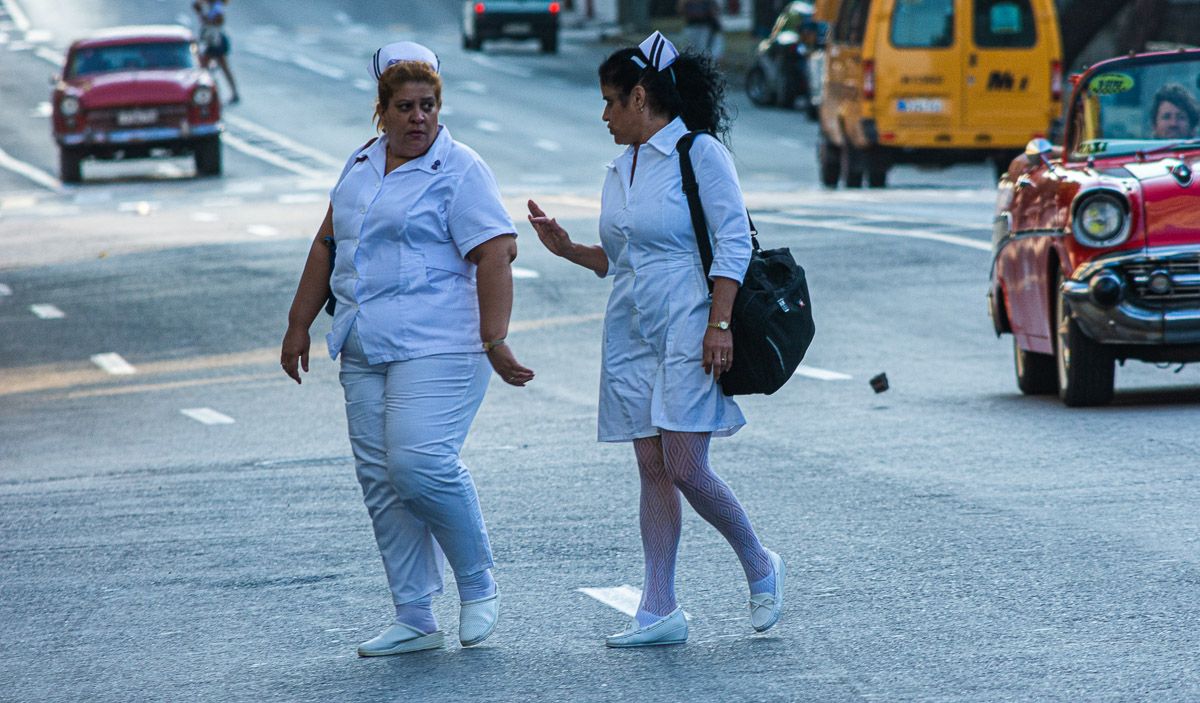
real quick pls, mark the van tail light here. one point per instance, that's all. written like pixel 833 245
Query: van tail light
pixel 480 8
pixel 554 8
pixel 868 84
pixel 1056 80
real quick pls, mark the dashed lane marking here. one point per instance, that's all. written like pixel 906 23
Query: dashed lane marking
pixel 883 231
pixel 47 311
pixel 262 231
pixel 29 171
pixel 290 144
pixel 5 290
pixel 518 272
pixel 264 155
pixel 18 16
pixel 821 374
pixel 208 416
pixel 548 145
pixel 113 364
pixel 488 126
pixel 501 67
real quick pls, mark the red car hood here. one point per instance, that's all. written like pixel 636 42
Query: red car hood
pixel 1171 202
pixel 136 88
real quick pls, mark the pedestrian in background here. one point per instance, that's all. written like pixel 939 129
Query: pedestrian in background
pixel 702 27
pixel 214 42
pixel 423 285
pixel 666 343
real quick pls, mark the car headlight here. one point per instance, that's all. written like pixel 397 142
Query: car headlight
pixel 69 106
pixel 203 96
pixel 1101 220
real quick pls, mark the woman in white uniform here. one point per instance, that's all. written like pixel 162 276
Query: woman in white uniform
pixel 666 342
pixel 423 283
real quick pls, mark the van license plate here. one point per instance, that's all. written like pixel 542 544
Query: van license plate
pixel 518 28
pixel 920 105
pixel 133 118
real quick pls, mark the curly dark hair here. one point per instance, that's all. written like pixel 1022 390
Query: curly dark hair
pixel 692 88
pixel 1178 96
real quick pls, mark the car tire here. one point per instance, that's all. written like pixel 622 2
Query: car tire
pixel 1085 369
pixel 877 166
pixel 1036 373
pixel 829 161
pixel 472 43
pixel 852 166
pixel 208 157
pixel 757 88
pixel 812 111
pixel 550 43
pixel 70 169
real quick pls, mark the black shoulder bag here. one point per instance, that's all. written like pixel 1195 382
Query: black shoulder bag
pixel 772 319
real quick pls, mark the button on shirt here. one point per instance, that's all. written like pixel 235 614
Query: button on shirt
pixel 402 238
pixel 651 374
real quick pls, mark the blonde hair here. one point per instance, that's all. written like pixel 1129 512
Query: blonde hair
pixel 394 78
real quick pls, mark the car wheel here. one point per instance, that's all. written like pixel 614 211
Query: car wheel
pixel 472 43
pixel 1036 373
pixel 757 89
pixel 812 111
pixel 829 159
pixel 852 166
pixel 208 157
pixel 877 169
pixel 1085 368
pixel 550 43
pixel 69 168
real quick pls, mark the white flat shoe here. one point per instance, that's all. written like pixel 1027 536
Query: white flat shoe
pixel 400 638
pixel 765 607
pixel 672 629
pixel 477 619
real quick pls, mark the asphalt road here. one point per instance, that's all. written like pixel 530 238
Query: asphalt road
pixel 191 529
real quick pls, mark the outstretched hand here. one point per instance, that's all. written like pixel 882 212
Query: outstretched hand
pixel 553 236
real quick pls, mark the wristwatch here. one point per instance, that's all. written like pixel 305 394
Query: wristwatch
pixel 722 325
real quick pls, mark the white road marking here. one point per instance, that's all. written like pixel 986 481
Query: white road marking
pixel 140 207
pixel 5 290
pixel 487 126
pixel 501 67
pixel 38 36
pixel 473 87
pixel 518 272
pixel 29 171
pixel 547 145
pixel 318 68
pixel 365 85
pixel 271 158
pixel 882 231
pixel 50 56
pixel 262 230
pixel 291 144
pixel 207 416
pixel 204 217
pixel 301 198
pixel 18 15
pixel 113 364
pixel 47 311
pixel 623 598
pixel 821 374
pixel 43 109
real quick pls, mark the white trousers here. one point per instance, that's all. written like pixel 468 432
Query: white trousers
pixel 408 421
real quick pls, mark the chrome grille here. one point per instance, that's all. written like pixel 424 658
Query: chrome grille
pixel 106 119
pixel 1185 280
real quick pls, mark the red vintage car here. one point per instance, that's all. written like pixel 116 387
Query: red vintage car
pixel 1096 246
pixel 136 92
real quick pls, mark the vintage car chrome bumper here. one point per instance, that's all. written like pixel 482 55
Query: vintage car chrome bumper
pixel 1147 297
pixel 141 136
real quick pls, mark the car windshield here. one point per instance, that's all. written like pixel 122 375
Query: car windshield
pixel 1138 105
pixel 132 57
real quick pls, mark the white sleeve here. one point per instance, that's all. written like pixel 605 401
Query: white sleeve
pixel 724 208
pixel 477 213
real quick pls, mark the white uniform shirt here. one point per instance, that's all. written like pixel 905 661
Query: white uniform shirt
pixel 401 272
pixel 651 375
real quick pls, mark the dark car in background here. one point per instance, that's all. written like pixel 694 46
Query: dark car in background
pixel 135 92
pixel 511 19
pixel 781 72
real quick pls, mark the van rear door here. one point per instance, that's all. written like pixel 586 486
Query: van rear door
pixel 917 70
pixel 1007 70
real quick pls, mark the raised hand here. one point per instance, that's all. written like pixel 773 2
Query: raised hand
pixel 553 236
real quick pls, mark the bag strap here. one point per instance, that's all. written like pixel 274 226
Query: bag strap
pixel 691 189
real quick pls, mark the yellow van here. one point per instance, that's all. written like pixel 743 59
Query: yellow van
pixel 935 82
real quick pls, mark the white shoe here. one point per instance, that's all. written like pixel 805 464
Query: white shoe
pixel 400 638
pixel 477 619
pixel 765 607
pixel 671 629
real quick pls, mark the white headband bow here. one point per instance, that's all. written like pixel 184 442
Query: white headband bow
pixel 402 51
pixel 659 50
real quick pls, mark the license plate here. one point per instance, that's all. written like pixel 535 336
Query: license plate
pixel 518 28
pixel 920 105
pixel 133 118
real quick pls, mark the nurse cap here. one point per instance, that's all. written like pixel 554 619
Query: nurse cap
pixel 402 51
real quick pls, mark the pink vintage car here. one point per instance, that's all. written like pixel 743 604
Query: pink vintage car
pixel 136 92
pixel 1096 247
